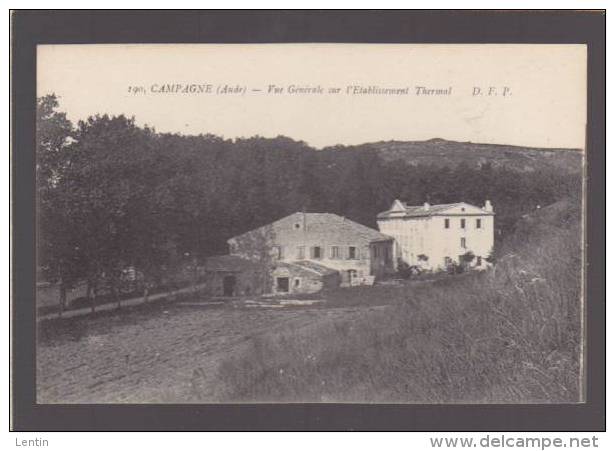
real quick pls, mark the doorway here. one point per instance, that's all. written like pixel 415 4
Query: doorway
pixel 281 285
pixel 228 284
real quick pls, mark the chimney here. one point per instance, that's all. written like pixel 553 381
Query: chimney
pixel 488 206
pixel 397 206
pixel 426 206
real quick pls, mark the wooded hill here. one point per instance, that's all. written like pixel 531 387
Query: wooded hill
pixel 443 153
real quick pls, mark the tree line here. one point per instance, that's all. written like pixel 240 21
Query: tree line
pixel 111 194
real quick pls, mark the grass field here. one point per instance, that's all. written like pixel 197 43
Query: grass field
pixel 165 352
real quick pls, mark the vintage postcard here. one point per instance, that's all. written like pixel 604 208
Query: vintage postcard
pixel 310 223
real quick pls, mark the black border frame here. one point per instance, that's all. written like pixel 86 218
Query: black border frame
pixel 32 27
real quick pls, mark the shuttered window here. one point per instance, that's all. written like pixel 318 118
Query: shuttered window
pixel 352 253
pixel 278 252
pixel 335 252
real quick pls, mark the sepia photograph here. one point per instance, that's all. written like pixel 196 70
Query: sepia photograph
pixel 310 223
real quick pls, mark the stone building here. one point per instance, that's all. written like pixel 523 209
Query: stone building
pixel 310 251
pixel 436 236
pixel 231 276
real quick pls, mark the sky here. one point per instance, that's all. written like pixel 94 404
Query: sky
pixel 544 85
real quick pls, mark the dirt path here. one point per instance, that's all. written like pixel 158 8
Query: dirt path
pixel 125 303
pixel 167 355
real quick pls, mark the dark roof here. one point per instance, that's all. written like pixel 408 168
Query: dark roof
pixel 229 263
pixel 306 268
pixel 417 211
pixel 317 267
pixel 329 225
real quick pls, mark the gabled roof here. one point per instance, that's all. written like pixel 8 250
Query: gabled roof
pixel 334 227
pixel 229 263
pixel 309 266
pixel 404 210
pixel 316 267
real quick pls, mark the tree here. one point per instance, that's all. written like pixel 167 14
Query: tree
pixel 404 270
pixel 466 259
pixel 53 136
pixel 117 183
pixel 58 258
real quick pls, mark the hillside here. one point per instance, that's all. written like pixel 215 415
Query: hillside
pixel 510 335
pixel 440 152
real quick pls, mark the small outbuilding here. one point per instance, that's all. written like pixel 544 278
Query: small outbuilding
pixel 232 276
pixel 302 277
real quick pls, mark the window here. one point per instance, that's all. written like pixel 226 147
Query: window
pixel 297 226
pixel 300 252
pixel 335 252
pixel 297 283
pixel 478 224
pixel 463 243
pixel 278 252
pixel 352 253
pixel 447 223
pixel 463 223
pixel 479 261
pixel 317 252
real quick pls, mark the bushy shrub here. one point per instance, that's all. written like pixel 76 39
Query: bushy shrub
pixel 404 270
pixel 454 268
pixel 468 257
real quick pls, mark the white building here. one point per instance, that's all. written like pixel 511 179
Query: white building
pixel 435 236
